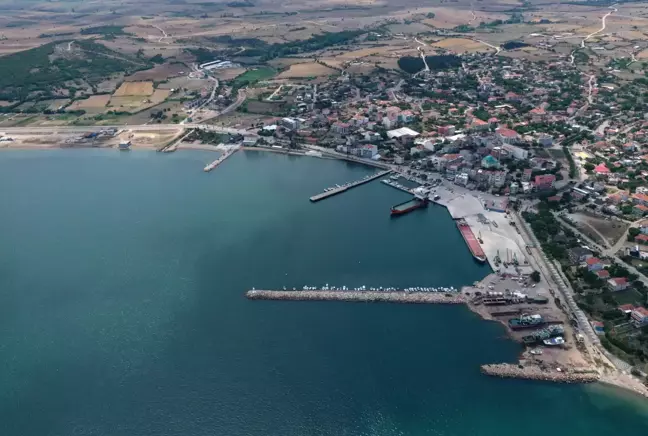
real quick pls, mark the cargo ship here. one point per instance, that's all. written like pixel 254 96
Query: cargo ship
pixel 546 333
pixel 526 321
pixel 473 243
pixel 408 206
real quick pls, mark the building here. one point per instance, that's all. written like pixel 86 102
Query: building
pixel 598 327
pixel 639 316
pixel 291 123
pixel 461 179
pixel 124 145
pixel 517 152
pixel 398 160
pixel 640 210
pixel 489 162
pixel 514 188
pixel 447 130
pixel 593 264
pixel 250 141
pixel 402 133
pixel 545 140
pixel 368 151
pixel 340 128
pixel 544 181
pixel 579 255
pixel 526 175
pixel 507 136
pixel 617 284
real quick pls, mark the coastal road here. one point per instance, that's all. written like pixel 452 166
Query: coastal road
pixel 27 130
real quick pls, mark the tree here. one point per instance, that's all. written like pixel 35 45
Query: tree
pixel 535 276
pixel 632 233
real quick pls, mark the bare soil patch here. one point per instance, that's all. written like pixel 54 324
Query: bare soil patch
pixel 128 89
pixel 310 69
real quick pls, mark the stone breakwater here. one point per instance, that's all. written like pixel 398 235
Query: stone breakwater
pixel 359 296
pixel 506 370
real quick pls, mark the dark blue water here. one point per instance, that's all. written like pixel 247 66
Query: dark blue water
pixel 122 311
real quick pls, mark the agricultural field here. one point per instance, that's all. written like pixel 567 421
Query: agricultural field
pixel 93 104
pixel 128 89
pixel 308 69
pixel 253 76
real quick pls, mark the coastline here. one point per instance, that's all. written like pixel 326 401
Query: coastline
pixel 612 378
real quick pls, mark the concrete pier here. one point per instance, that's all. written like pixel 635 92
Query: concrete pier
pixel 220 159
pixel 347 186
pixel 360 296
pixel 397 186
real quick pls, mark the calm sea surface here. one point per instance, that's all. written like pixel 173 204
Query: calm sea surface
pixel 122 311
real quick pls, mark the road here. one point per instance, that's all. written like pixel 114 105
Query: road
pixel 606 251
pixel 555 275
pixel 240 98
pixel 497 49
pixel 602 26
pixel 134 128
pixel 422 54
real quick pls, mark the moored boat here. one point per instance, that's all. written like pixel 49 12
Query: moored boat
pixel 408 206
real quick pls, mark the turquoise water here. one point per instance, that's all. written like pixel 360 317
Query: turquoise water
pixel 122 311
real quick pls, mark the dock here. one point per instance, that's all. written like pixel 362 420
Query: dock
pixel 347 186
pixel 220 159
pixel 397 185
pixel 360 296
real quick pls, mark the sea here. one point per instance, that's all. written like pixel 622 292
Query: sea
pixel 122 308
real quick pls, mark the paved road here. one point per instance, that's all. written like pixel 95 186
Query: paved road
pixel 135 128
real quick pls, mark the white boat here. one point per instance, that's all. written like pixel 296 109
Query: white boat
pixel 551 342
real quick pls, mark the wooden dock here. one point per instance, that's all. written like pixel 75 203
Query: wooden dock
pixel 343 188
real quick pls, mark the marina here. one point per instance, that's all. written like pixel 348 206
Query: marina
pixel 220 159
pixel 338 189
pixel 397 185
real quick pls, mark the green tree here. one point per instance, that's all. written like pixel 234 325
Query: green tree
pixel 535 276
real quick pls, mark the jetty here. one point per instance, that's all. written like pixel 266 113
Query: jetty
pixel 220 159
pixel 534 372
pixel 342 188
pixel 360 296
pixel 397 185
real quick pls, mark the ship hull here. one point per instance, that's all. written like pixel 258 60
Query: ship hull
pixel 471 241
pixel 416 204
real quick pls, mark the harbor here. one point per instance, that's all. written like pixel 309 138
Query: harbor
pixel 543 373
pixel 221 159
pixel 338 189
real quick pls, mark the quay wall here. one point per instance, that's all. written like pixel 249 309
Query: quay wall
pixel 507 370
pixel 359 296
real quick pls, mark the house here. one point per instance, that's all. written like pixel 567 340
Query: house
pixel 601 170
pixel 639 316
pixel 507 136
pixel 579 255
pixel 626 308
pixel 640 210
pixel 618 284
pixel 603 274
pixel 598 326
pixel 291 123
pixel 544 181
pixel 593 264
pixel 526 174
pixel 640 199
pixel 446 130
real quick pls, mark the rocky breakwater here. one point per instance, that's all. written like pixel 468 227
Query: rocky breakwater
pixel 534 372
pixel 360 296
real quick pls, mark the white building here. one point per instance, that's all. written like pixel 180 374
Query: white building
pixel 402 133
pixel 517 152
pixel 368 151
pixel 461 179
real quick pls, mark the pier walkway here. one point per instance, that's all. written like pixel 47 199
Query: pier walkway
pixel 360 296
pixel 220 159
pixel 398 186
pixel 347 186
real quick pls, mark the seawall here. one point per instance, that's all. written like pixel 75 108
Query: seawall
pixel 507 370
pixel 360 296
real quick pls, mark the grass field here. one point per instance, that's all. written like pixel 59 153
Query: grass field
pixel 253 76
pixel 93 103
